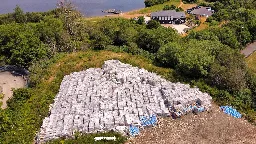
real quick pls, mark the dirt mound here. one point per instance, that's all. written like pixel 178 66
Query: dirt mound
pixel 214 127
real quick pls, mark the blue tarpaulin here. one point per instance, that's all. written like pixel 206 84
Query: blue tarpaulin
pixel 231 111
pixel 148 121
pixel 134 130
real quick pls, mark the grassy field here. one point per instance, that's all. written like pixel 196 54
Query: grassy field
pixel 203 25
pixel 251 62
pixel 155 7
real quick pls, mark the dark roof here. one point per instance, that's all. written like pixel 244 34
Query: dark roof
pixel 202 11
pixel 168 13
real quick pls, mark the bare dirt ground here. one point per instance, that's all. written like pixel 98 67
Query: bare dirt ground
pixel 180 28
pixel 8 82
pixel 213 127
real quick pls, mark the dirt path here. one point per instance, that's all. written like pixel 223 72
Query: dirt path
pixel 206 128
pixel 181 3
pixel 7 82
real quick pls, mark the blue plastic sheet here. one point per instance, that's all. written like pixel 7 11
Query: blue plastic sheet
pixel 148 121
pixel 133 130
pixel 231 111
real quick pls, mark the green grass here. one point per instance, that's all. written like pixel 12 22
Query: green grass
pixel 1 96
pixel 251 62
pixel 156 7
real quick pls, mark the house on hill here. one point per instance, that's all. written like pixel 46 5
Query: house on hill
pixel 200 11
pixel 169 17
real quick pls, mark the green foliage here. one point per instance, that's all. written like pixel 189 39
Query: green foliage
pixel 167 55
pixel 192 59
pixel 19 15
pixel 251 83
pixel 141 20
pixel 196 59
pixel 1 95
pixel 20 96
pixel 242 33
pixel 225 35
pixel 229 71
pixel 34 17
pixel 149 3
pixel 251 24
pixel 241 100
pixel 153 24
pixel 189 1
pixel 173 7
pixel 20 45
pixel 152 39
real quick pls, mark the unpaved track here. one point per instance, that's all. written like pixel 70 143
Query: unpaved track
pixel 7 82
pixel 214 127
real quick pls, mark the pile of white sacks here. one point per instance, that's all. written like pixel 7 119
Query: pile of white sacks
pixel 112 98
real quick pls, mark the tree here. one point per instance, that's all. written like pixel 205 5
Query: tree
pixel 152 39
pixel 141 20
pixel 203 35
pixel 189 1
pixel 19 15
pixel 251 24
pixel 19 98
pixel 168 54
pixel 149 3
pixel 251 84
pixel 228 71
pixel 195 61
pixel 34 17
pixel 68 13
pixel 153 24
pixel 227 36
pixel 125 36
pixel 20 44
pixel 241 31
pixel 171 7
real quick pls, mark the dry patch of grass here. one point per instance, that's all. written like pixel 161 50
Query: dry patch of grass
pixel 203 24
pixel 251 62
pixel 201 27
pixel 187 6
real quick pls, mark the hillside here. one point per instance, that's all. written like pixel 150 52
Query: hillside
pixel 30 110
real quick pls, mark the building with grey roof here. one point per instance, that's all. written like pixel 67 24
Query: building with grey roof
pixel 169 17
pixel 201 11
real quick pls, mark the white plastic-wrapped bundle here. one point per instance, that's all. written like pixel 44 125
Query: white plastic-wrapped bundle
pixel 114 97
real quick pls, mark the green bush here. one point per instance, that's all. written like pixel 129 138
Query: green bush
pixel 20 96
pixel 149 3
